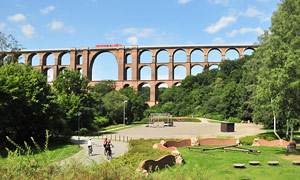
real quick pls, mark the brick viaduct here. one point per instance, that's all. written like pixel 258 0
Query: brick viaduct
pixel 83 59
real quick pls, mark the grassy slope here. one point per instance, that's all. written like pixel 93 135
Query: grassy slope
pixel 217 164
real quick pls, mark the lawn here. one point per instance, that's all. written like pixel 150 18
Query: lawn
pixel 217 164
pixel 57 151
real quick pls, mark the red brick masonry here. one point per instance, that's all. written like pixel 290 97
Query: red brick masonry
pixel 263 142
pixel 182 143
pixel 221 142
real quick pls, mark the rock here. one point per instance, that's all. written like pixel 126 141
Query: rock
pixel 256 142
pixel 163 143
pixel 291 147
pixel 194 142
pixel 155 146
pixel 176 153
pixel 179 160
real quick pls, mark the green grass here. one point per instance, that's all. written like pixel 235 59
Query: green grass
pixel 217 164
pixel 57 151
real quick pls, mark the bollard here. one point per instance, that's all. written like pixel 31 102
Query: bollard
pixel 123 138
pixel 115 137
pixel 127 138
pixel 102 136
pixel 119 138
pixel 110 136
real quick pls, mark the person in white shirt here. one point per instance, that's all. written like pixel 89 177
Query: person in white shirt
pixel 90 145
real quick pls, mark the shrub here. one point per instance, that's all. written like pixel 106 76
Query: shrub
pixel 234 119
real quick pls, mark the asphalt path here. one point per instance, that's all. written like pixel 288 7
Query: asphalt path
pixel 119 149
pixel 186 130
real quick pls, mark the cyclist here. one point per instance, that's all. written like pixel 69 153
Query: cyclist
pixel 90 146
pixel 108 146
pixel 104 145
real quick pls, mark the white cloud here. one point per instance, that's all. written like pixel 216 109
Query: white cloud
pixel 28 31
pixel 2 26
pixel 17 17
pixel 133 40
pixel 218 40
pixel 183 1
pixel 143 33
pixel 252 11
pixel 245 30
pixel 224 2
pixel 222 23
pixel 47 9
pixel 59 26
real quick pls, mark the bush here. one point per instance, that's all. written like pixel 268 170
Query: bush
pixel 234 119
pixel 100 121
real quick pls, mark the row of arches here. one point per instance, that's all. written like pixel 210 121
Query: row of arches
pixel 50 72
pixel 146 89
pixel 162 72
pixel 197 55
pixel 47 60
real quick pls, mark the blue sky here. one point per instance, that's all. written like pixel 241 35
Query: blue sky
pixel 49 24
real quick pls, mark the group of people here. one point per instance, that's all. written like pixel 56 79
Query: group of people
pixel 106 144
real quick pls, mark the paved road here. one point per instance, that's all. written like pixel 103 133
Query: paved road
pixel 119 149
pixel 182 130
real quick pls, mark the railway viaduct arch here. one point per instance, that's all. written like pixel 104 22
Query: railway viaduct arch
pixel 83 58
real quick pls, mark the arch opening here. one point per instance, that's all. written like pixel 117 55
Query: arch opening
pixel 128 59
pixel 104 67
pixel 179 72
pixel 180 56
pixel 197 56
pixel 49 72
pixel 128 74
pixel 162 73
pixel 145 73
pixel 160 89
pixel 79 60
pixel 35 60
pixel 50 60
pixel 162 57
pixel 65 59
pixel 213 67
pixel 196 70
pixel 248 52
pixel 214 55
pixel 232 54
pixel 145 88
pixel 146 57
pixel 21 59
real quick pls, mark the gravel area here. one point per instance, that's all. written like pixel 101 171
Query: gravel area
pixel 182 130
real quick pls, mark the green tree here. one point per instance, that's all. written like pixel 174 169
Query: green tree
pixel 113 102
pixel 278 79
pixel 73 95
pixel 27 105
pixel 136 104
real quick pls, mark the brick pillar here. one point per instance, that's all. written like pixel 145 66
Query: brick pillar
pixel 134 69
pixel 55 72
pixel 43 59
pixel 188 69
pixel 188 65
pixel 85 63
pixel 26 55
pixel 121 64
pixel 72 58
pixel 171 68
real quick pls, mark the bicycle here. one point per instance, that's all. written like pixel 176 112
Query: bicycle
pixel 109 154
pixel 90 151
